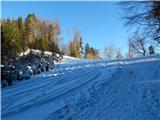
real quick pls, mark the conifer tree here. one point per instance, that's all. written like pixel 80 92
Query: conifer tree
pixel 86 49
pixel 22 42
pixel 10 36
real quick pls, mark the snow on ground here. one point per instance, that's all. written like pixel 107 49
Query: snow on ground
pixel 34 51
pixel 68 59
pixel 88 90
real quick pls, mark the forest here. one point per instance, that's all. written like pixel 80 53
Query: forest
pixel 34 33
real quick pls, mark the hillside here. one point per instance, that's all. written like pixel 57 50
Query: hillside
pixel 88 90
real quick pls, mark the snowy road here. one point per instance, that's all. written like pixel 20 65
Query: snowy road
pixel 99 90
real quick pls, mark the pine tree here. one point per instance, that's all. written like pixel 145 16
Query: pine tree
pixel 86 49
pixel 151 50
pixel 22 42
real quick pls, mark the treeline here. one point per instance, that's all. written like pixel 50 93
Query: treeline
pixel 19 35
pixel 23 46
pixel 137 46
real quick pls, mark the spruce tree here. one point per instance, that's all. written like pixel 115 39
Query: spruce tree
pixel 21 34
pixel 86 49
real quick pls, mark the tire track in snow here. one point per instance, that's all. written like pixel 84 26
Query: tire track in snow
pixel 61 89
pixel 14 97
pixel 92 85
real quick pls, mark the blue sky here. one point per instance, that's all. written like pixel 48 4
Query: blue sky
pixel 100 23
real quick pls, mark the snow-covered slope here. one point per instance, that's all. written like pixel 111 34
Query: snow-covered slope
pixel 88 90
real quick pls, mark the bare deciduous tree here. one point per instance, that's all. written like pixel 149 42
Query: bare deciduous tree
pixel 138 45
pixel 118 53
pixel 144 15
pixel 109 51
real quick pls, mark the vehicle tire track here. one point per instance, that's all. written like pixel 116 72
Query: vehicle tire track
pixel 52 94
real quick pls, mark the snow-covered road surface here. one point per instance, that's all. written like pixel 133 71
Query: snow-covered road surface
pixel 88 90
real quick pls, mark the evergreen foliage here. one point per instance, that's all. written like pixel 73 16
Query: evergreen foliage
pixel 18 35
pixel 90 52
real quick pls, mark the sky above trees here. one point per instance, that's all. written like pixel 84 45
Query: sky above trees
pixel 100 23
